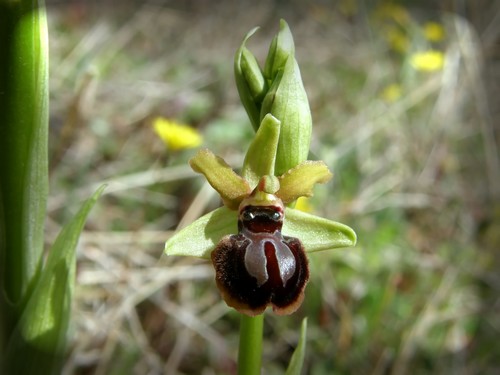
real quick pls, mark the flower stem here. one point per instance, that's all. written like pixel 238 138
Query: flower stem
pixel 250 351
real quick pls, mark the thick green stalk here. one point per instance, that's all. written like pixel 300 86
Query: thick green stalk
pixel 250 350
pixel 23 152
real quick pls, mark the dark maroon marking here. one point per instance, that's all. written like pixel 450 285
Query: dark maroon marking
pixel 272 267
pixel 261 219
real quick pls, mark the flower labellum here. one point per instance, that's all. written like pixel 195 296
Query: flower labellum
pixel 259 266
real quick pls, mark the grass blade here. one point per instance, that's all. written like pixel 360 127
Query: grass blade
pixel 41 332
pixel 297 361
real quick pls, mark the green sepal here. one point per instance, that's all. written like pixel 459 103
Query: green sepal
pixel 231 187
pixel 287 101
pixel 37 344
pixel 200 237
pixel 244 59
pixel 317 233
pixel 297 360
pixel 261 155
pixel 300 180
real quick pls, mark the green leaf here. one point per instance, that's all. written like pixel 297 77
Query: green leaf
pixel 299 181
pixel 23 145
pixel 297 361
pixel 37 344
pixel 200 237
pixel 317 233
pixel 261 155
pixel 231 187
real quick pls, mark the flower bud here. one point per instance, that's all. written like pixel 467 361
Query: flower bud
pixel 256 82
pixel 277 91
pixel 250 81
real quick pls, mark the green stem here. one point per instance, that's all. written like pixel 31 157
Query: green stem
pixel 250 351
pixel 24 99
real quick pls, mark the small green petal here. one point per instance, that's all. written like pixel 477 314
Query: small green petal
pixel 200 237
pixel 231 187
pixel 299 181
pixel 269 184
pixel 317 233
pixel 261 155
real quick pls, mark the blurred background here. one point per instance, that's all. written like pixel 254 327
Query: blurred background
pixel 404 98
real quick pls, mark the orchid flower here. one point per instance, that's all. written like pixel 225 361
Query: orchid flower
pixel 256 241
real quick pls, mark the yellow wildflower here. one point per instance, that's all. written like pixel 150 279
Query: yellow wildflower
pixel 433 31
pixel 427 61
pixel 176 136
pixel 303 204
pixel 397 39
pixel 391 93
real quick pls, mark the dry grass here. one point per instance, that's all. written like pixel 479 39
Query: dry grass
pixel 417 178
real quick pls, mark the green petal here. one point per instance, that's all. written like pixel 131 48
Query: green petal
pixel 261 155
pixel 317 233
pixel 299 181
pixel 269 184
pixel 200 238
pixel 231 187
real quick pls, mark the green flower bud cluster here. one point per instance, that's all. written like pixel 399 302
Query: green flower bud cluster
pixel 276 90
